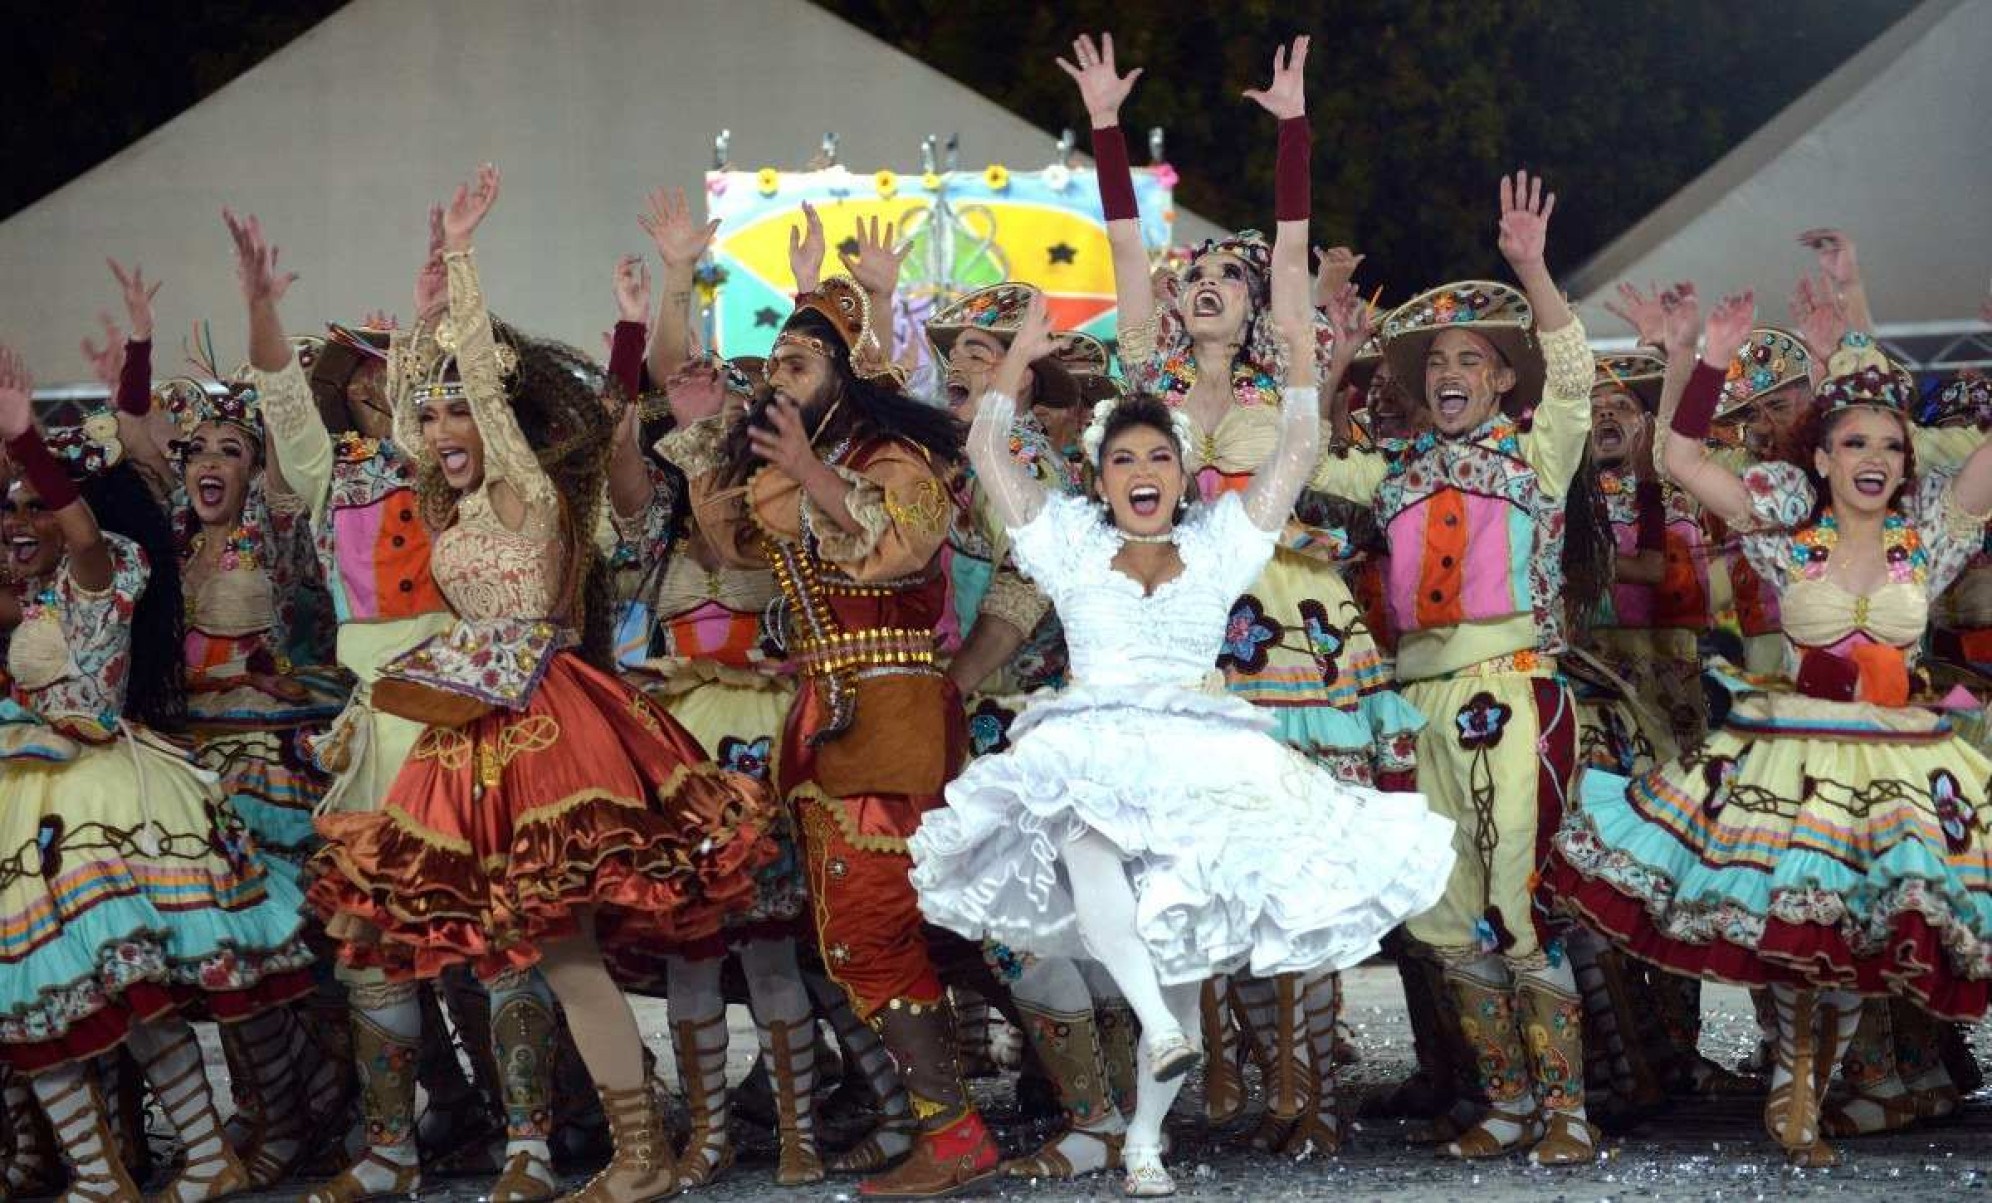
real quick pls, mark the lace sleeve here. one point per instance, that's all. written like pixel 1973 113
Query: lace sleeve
pixel 1015 494
pixel 507 454
pixel 302 445
pixel 1277 484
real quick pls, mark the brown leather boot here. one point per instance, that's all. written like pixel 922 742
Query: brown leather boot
pixel 953 1149
pixel 642 1168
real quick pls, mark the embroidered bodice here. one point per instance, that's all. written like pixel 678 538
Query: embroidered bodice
pixel 71 655
pixel 1929 541
pixel 230 603
pixel 1116 634
pixel 489 572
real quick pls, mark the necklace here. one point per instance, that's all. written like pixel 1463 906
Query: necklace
pixel 1902 547
pixel 1164 537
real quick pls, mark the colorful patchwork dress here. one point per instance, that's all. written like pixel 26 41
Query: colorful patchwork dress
pixel 1812 840
pixel 128 887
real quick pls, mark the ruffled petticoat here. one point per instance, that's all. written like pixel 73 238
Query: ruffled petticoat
pixel 260 747
pixel 1827 844
pixel 1242 853
pixel 496 833
pixel 128 890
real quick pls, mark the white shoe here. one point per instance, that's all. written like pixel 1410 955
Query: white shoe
pixel 1146 1179
pixel 1171 1056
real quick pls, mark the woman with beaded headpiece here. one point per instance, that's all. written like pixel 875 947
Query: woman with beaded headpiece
pixel 1828 840
pixel 255 601
pixel 136 895
pixel 1297 643
pixel 1171 869
pixel 547 805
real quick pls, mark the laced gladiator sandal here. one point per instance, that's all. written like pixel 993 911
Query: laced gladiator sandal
pixel 875 1151
pixel 1224 1075
pixel 1566 1140
pixel 642 1168
pixel 31 1166
pixel 279 1136
pixel 1869 1066
pixel 179 1082
pixel 527 1178
pixel 790 1050
pixel 701 1049
pixel 1791 1113
pixel 82 1133
pixel 1554 1021
pixel 384 1062
pixel 1318 1131
pixel 1050 1164
pixel 1487 1024
pixel 348 1188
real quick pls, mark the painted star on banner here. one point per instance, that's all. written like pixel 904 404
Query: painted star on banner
pixel 1063 252
pixel 767 317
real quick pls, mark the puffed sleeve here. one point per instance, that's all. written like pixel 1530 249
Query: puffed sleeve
pixel 898 499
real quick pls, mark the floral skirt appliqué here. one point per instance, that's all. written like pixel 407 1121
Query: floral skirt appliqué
pixel 496 834
pixel 129 889
pixel 1826 844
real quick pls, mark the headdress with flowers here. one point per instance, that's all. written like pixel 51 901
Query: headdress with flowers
pixel 1261 362
pixel 1096 430
pixel 1858 374
pixel 90 448
pixel 1768 360
pixel 210 396
pixel 998 309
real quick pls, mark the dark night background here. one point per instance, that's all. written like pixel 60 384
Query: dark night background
pixel 1418 105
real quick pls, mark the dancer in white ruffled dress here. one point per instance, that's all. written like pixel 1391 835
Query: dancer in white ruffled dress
pixel 1143 818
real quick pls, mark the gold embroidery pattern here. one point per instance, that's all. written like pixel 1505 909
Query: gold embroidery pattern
pixel 447 746
pixel 923 506
pixel 639 709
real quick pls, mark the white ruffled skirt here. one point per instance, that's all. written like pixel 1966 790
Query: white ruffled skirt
pixel 1240 851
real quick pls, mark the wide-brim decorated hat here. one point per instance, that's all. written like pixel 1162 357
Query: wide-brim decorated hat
pixel 345 350
pixel 1769 359
pixel 1090 365
pixel 1496 312
pixel 998 309
pixel 1637 372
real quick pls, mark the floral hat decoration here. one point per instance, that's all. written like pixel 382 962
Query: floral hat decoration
pixel 998 309
pixel 1858 374
pixel 1965 401
pixel 1495 311
pixel 88 449
pixel 1095 433
pixel 1769 359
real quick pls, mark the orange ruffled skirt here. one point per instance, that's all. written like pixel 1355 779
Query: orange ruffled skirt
pixel 498 835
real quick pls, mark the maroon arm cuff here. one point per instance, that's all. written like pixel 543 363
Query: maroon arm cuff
pixel 1695 416
pixel 135 380
pixel 40 468
pixel 626 357
pixel 1292 179
pixel 1116 177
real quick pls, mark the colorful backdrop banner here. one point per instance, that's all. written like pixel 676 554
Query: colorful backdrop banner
pixel 969 229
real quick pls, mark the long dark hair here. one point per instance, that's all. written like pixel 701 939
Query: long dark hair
pixel 560 401
pixel 1590 552
pixel 867 410
pixel 156 689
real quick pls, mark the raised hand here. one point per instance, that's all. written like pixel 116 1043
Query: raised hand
pixel 1728 325
pixel 696 391
pixel 432 283
pixel 806 250
pixel 1836 255
pixel 256 262
pixel 1286 96
pixel 632 289
pixel 17 391
pixel 1103 88
pixel 1820 314
pixel 680 240
pixel 1525 211
pixel 875 266
pixel 1334 267
pixel 1681 309
pixel 137 299
pixel 1642 311
pixel 1353 322
pixel 473 200
pixel 107 361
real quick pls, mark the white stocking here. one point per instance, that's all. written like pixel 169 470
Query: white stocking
pixel 1103 898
